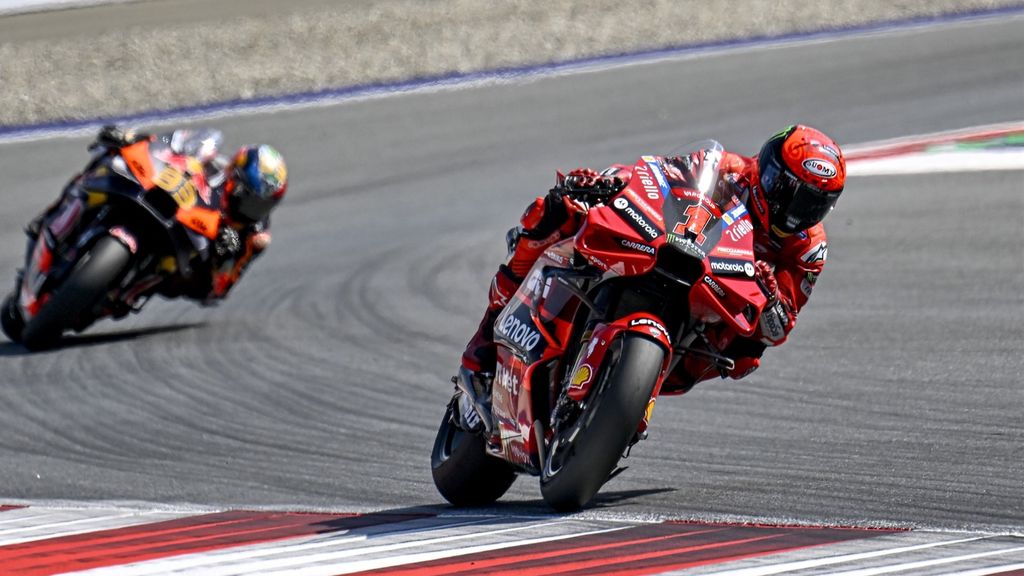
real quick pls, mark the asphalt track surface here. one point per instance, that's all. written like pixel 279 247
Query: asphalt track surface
pixel 320 382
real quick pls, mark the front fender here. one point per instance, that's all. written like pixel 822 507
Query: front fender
pixel 591 358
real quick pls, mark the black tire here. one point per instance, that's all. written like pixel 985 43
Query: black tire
pixel 581 457
pixel 10 318
pixel 92 276
pixel 464 473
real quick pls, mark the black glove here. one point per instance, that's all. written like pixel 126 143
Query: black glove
pixel 110 136
pixel 227 244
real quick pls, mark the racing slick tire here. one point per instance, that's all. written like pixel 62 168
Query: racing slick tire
pixel 88 282
pixel 582 455
pixel 464 473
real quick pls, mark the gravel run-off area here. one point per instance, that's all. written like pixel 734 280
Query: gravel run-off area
pixel 120 59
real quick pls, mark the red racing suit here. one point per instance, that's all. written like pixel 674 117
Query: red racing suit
pixel 796 261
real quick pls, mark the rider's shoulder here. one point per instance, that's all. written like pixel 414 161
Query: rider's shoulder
pixel 810 247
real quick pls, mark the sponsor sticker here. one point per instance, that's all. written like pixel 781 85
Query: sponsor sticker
pixel 581 377
pixel 821 168
pixel 738 230
pixel 506 379
pixel 518 332
pixel 636 218
pixel 687 245
pixel 714 286
pixel 816 254
pixel 735 214
pixel 650 323
pixel 739 252
pixel 731 267
pixel 638 246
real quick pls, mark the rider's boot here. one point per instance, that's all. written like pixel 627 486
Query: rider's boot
pixel 544 222
pixel 480 357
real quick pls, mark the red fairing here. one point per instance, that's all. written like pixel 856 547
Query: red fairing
pixel 603 335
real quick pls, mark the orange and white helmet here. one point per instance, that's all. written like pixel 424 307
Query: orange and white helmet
pixel 802 174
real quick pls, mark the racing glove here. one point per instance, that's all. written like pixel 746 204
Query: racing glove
pixel 777 317
pixel 582 179
pixel 228 244
pixel 110 136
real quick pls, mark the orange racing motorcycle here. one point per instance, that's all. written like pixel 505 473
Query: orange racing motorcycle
pixel 132 223
pixel 591 334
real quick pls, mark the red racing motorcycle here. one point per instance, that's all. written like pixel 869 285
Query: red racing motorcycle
pixel 133 222
pixel 587 341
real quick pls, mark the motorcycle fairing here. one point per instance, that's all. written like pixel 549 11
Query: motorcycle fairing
pixel 630 235
pixel 168 187
pixel 512 411
pixel 592 357
pixel 530 333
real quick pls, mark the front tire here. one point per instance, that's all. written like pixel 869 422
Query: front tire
pixel 92 276
pixel 11 320
pixel 464 473
pixel 583 454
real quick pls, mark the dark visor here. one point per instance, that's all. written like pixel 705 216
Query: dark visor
pixel 801 205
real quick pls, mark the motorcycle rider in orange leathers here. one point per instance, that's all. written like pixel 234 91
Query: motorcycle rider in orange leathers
pixel 251 183
pixel 789 188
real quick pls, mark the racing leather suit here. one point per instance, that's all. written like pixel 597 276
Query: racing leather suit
pixel 795 260
pixel 235 248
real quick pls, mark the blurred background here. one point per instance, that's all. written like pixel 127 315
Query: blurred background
pixel 320 382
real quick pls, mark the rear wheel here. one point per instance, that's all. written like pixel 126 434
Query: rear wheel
pixel 464 473
pixel 585 449
pixel 92 276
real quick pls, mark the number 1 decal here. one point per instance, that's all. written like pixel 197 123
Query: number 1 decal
pixel 697 219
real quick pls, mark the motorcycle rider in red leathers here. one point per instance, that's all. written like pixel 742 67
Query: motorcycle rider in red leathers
pixel 789 188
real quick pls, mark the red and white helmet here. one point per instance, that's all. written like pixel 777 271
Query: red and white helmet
pixel 802 174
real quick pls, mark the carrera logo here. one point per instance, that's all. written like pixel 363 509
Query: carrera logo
pixel 714 286
pixel 638 246
pixel 515 331
pixel 728 267
pixel 818 167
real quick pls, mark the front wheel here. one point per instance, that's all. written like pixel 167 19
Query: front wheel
pixel 464 473
pixel 583 453
pixel 11 320
pixel 93 274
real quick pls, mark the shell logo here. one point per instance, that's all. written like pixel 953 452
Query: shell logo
pixel 581 377
pixel 649 411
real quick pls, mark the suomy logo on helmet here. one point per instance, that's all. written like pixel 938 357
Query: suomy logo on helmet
pixel 819 167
